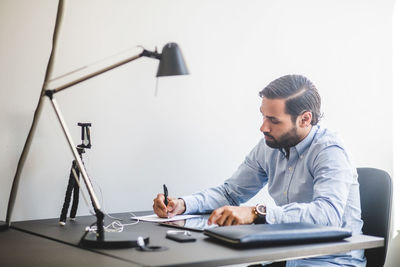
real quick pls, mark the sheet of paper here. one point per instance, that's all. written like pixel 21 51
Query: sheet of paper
pixel 155 218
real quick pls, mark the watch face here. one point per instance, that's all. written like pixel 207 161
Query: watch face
pixel 261 209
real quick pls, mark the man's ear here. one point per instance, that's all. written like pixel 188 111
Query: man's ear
pixel 305 119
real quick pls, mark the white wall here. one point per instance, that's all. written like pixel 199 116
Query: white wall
pixel 198 129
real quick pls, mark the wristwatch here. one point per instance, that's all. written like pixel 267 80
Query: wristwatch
pixel 261 211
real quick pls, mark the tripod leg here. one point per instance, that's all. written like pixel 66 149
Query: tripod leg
pixel 67 199
pixel 75 202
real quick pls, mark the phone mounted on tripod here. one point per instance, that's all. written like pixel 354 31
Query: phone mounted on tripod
pixel 85 135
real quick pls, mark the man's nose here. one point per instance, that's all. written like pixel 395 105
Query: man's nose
pixel 265 126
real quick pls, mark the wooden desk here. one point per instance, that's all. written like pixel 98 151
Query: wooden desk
pixel 199 253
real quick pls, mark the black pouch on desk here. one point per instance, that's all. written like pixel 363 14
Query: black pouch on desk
pixel 273 234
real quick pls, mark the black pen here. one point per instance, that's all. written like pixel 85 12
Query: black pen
pixel 165 195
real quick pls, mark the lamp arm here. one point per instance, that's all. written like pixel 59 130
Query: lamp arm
pixel 87 76
pixel 87 72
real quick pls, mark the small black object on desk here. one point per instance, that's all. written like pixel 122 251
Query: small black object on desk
pixel 144 247
pixel 180 236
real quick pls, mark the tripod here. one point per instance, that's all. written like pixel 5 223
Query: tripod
pixel 73 182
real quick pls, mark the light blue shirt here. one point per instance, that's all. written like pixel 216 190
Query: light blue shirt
pixel 317 184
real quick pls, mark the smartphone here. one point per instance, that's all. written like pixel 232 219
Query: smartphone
pixel 180 237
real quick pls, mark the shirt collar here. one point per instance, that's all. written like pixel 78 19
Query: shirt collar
pixel 306 142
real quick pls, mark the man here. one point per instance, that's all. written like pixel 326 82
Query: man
pixel 308 171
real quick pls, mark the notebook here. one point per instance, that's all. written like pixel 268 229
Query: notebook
pixel 273 234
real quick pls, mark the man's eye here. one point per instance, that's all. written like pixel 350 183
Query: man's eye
pixel 273 120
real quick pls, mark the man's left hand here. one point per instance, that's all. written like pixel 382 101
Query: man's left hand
pixel 232 215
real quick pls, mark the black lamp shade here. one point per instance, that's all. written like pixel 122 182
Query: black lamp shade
pixel 171 61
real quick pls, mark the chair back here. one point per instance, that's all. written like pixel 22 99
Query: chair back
pixel 376 204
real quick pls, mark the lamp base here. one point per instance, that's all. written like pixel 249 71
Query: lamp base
pixel 3 226
pixel 113 240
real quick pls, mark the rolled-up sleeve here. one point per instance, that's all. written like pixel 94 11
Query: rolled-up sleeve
pixel 248 179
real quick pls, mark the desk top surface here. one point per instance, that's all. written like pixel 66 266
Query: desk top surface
pixel 22 249
pixel 202 252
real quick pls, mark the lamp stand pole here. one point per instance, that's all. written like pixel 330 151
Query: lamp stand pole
pixel 36 116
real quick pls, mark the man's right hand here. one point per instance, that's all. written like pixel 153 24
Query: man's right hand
pixel 175 206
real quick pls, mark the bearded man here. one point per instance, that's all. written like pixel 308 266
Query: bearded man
pixel 306 167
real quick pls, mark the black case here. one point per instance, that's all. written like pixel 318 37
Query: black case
pixel 272 234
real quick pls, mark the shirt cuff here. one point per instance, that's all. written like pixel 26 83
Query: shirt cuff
pixel 190 204
pixel 273 213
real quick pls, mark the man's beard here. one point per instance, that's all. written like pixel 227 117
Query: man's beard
pixel 287 140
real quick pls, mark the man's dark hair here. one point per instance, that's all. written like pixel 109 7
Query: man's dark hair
pixel 300 94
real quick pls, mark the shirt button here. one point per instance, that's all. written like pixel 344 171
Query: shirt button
pixel 301 157
pixel 290 168
pixel 285 193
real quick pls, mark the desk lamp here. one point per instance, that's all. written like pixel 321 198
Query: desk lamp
pixel 171 63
